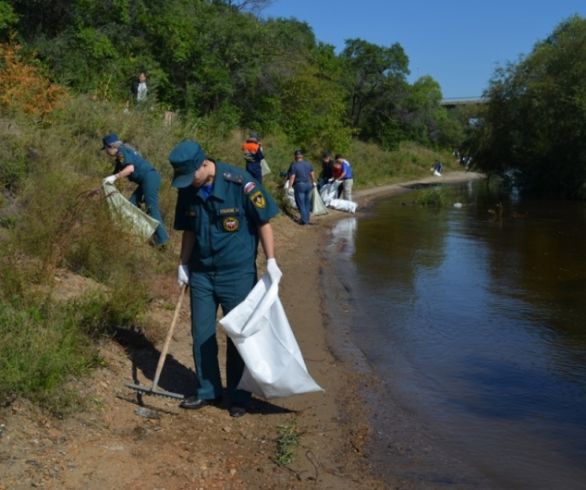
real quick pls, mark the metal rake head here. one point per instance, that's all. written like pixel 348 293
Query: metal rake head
pixel 155 391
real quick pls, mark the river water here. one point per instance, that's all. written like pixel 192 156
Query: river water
pixel 474 318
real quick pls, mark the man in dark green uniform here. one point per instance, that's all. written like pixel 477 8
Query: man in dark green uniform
pixel 129 163
pixel 223 213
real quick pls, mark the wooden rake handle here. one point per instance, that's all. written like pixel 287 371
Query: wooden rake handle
pixel 168 339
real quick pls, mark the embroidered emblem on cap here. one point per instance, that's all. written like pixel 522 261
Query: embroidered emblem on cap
pixel 231 224
pixel 258 199
pixel 249 186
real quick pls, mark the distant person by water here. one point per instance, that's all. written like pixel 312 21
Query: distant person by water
pixel 345 177
pixel 327 164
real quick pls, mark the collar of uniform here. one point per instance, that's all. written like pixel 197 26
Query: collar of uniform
pixel 220 183
pixel 125 151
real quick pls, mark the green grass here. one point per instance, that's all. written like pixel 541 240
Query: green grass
pixel 43 347
pixel 287 442
pixel 436 197
pixel 38 352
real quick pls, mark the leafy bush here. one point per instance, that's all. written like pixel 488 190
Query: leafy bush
pixel 432 197
pixel 23 88
pixel 13 162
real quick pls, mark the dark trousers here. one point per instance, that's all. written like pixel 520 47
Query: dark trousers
pixel 208 291
pixel 303 200
pixel 255 169
pixel 148 192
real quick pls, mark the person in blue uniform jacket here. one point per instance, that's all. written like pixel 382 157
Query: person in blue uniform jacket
pixel 223 213
pixel 302 181
pixel 129 163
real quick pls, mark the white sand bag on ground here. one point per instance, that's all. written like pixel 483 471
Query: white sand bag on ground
pixel 343 205
pixel 329 191
pixel 261 332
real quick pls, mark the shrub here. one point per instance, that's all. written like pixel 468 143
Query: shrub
pixel 23 88
pixel 39 350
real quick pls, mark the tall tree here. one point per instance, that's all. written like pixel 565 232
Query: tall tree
pixel 536 119
pixel 369 69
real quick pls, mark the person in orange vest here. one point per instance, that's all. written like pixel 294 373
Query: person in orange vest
pixel 253 156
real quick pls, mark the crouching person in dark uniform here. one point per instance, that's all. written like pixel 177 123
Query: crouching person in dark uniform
pixel 129 163
pixel 223 213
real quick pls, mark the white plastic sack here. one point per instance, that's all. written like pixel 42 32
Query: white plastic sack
pixel 127 214
pixel 329 191
pixel 261 332
pixel 317 205
pixel 264 167
pixel 289 195
pixel 343 205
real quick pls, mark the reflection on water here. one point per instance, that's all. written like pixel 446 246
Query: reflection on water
pixel 343 234
pixel 476 320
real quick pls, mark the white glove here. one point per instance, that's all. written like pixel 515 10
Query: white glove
pixel 273 270
pixel 110 179
pixel 183 275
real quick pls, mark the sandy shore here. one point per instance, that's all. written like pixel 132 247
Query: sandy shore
pixel 119 441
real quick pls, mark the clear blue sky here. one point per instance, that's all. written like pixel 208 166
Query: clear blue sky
pixel 457 42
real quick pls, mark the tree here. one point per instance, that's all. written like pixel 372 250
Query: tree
pixel 313 104
pixel 370 71
pixel 535 122
pixel 8 17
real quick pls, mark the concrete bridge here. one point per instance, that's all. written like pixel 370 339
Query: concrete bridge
pixel 460 101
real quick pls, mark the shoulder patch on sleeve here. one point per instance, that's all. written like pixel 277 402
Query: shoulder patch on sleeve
pixel 258 199
pixel 229 177
pixel 248 187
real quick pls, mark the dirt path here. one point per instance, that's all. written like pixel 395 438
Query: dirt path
pixel 116 443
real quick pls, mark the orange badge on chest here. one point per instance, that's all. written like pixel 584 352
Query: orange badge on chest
pixel 231 224
pixel 258 199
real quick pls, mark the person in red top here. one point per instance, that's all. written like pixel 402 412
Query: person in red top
pixel 337 169
pixel 253 155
